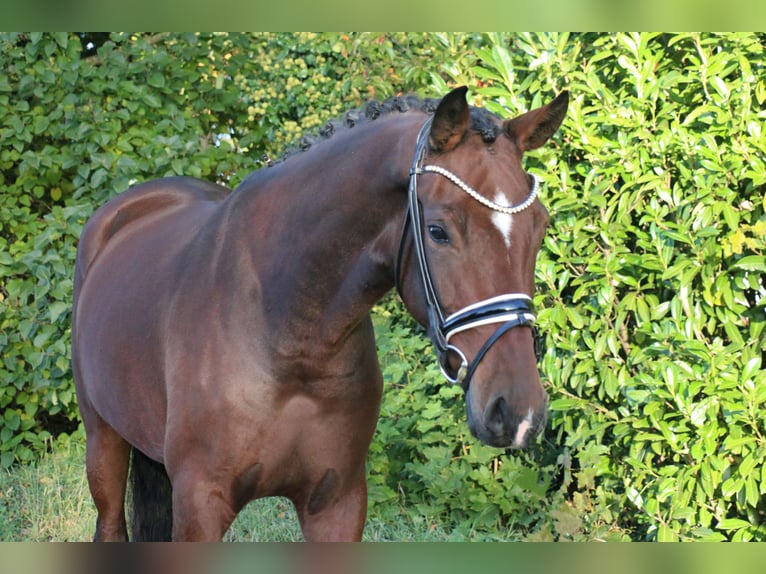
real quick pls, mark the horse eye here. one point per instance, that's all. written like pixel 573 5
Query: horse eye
pixel 438 234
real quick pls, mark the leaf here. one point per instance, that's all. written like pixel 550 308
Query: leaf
pixel 156 80
pixel 56 309
pixel 564 404
pixel 731 486
pixel 12 420
pixel 732 524
pixel 62 39
pixel 98 178
pixel 574 317
pixel 751 263
pixel 6 459
pixel 665 533
pixel 751 492
pixel 151 100
pixel 566 521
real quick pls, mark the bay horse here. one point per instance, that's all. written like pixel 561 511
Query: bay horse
pixel 222 340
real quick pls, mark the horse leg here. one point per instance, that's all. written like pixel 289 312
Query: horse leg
pixel 107 459
pixel 341 521
pixel 202 508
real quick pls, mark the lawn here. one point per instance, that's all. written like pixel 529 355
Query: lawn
pixel 49 501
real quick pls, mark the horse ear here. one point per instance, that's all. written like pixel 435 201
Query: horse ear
pixel 532 129
pixel 450 121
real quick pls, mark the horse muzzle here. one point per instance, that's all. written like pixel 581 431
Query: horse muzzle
pixel 497 424
pixel 515 412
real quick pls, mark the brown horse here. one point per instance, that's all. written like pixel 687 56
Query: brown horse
pixel 224 338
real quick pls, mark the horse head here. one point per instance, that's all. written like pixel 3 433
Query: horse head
pixel 476 227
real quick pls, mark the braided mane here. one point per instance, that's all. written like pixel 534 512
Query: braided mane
pixel 482 121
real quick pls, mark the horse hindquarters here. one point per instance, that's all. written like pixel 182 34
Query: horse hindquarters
pixel 152 518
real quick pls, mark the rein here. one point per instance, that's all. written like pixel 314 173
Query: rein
pixel 512 310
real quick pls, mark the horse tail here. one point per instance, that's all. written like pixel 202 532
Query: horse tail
pixel 152 500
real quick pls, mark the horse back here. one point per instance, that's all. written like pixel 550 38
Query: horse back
pixel 148 200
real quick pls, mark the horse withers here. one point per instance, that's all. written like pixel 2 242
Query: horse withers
pixel 224 337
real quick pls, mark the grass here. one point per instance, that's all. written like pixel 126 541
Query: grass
pixel 49 501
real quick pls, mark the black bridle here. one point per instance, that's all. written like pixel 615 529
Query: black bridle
pixel 511 310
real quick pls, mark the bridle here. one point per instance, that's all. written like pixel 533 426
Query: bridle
pixel 511 310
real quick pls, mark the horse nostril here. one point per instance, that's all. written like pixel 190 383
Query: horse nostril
pixel 497 415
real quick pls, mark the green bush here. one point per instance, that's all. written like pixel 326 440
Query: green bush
pixel 651 295
pixel 651 284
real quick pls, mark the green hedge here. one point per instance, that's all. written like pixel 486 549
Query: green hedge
pixel 651 282
pixel 651 289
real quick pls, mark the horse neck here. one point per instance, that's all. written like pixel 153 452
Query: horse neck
pixel 327 228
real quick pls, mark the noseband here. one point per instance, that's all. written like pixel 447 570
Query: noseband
pixel 511 310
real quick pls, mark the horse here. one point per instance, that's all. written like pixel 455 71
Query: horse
pixel 222 343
